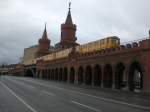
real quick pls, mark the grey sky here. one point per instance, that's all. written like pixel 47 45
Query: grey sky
pixel 22 22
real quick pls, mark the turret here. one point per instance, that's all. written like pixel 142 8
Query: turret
pixel 44 44
pixel 68 32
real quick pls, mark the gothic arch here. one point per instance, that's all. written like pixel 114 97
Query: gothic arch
pixel 60 74
pixel 107 76
pixel 56 74
pixel 80 75
pixel 29 73
pixel 52 74
pixel 65 74
pixel 88 75
pixel 97 75
pixel 43 74
pixel 135 78
pixel 119 74
pixel 72 75
pixel 49 74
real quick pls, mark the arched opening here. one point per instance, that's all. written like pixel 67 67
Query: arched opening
pixel 43 74
pixel 56 74
pixel 119 74
pixel 72 75
pixel 97 75
pixel 80 75
pixel 46 74
pixel 52 74
pixel 107 78
pixel 29 73
pixel 49 75
pixel 65 74
pixel 88 75
pixel 135 77
pixel 60 74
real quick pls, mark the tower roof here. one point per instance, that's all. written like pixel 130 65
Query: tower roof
pixel 69 18
pixel 44 36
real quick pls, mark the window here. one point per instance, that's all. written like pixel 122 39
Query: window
pixel 102 41
pixel 107 40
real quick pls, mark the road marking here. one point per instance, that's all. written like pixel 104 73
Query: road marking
pixel 48 93
pixel 89 107
pixel 21 100
pixel 97 97
pixel 20 83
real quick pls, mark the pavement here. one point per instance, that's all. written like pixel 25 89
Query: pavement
pixel 22 94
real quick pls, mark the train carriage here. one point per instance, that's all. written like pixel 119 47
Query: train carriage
pixel 109 42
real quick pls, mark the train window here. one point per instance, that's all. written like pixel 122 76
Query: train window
pixel 115 41
pixel 102 41
pixel 107 40
pixel 118 42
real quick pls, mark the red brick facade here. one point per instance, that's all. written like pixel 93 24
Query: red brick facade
pixel 105 64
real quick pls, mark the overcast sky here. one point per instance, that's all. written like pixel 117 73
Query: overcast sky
pixel 22 22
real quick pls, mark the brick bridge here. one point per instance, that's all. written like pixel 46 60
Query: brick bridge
pixel 126 67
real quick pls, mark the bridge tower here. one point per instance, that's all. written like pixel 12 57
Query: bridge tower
pixel 44 44
pixel 68 32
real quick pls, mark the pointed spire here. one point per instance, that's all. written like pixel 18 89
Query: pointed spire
pixel 45 25
pixel 69 5
pixel 45 33
pixel 69 18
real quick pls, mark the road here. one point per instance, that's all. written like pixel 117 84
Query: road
pixel 20 94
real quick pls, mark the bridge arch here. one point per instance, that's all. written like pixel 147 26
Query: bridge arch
pixel 135 78
pixel 88 75
pixel 43 74
pixel 56 74
pixel 29 73
pixel 107 76
pixel 60 74
pixel 72 75
pixel 49 74
pixel 119 74
pixel 65 74
pixel 80 75
pixel 52 74
pixel 46 74
pixel 97 75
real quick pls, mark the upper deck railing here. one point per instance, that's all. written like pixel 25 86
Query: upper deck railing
pixel 134 41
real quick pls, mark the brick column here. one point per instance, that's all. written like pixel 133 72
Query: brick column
pixel 84 75
pixel 113 75
pixel 102 71
pixel 76 75
pixel 126 77
pixel 92 67
pixel 40 74
pixel 68 77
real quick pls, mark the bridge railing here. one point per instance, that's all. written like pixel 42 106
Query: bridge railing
pixel 134 41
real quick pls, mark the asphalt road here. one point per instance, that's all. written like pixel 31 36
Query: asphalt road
pixel 20 94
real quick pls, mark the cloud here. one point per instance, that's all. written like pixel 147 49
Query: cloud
pixel 22 22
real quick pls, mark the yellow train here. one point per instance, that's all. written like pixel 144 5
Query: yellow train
pixel 56 55
pixel 109 42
